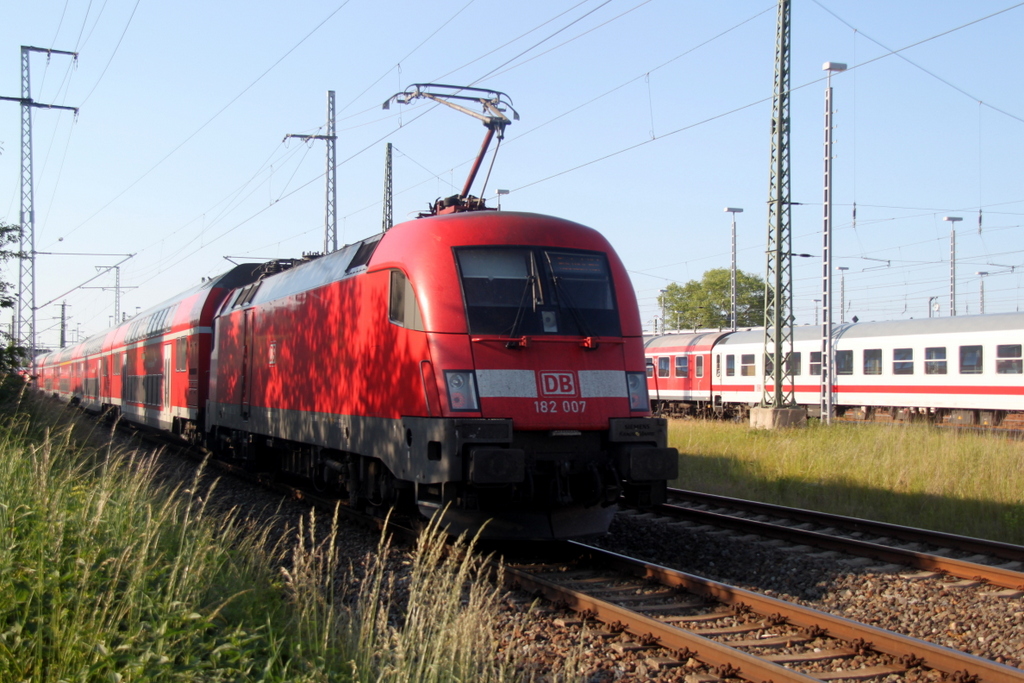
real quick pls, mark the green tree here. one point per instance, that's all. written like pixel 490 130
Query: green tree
pixel 706 304
pixel 11 356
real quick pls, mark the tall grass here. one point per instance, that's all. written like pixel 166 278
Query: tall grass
pixel 104 577
pixel 917 475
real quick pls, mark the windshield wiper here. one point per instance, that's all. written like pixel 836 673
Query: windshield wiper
pixel 566 298
pixel 531 288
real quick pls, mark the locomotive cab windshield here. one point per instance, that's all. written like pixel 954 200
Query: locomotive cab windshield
pixel 535 291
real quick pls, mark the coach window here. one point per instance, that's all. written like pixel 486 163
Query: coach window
pixel 730 365
pixel 970 360
pixel 650 368
pixel 747 368
pixel 181 354
pixel 682 366
pixel 403 309
pixel 815 367
pixel 792 363
pixel 844 362
pixel 699 365
pixel 872 361
pixel 663 365
pixel 1008 359
pixel 935 360
pixel 903 361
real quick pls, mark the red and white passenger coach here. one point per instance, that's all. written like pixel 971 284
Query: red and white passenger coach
pixel 961 370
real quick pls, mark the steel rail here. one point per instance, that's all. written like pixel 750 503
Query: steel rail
pixel 703 649
pixel 1005 577
pixel 1007 551
pixel 952 662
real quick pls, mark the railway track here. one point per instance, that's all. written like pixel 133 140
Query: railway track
pixel 969 559
pixel 684 625
pixel 720 631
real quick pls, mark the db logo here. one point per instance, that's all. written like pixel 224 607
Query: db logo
pixel 557 384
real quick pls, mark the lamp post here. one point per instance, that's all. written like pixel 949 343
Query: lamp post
pixel 952 261
pixel 663 293
pixel 732 272
pixel 826 253
pixel 842 292
pixel 500 193
pixel 981 290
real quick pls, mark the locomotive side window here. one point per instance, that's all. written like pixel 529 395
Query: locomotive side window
pixel 730 365
pixel 699 363
pixel 663 366
pixel 815 366
pixel 903 361
pixel 970 360
pixel 682 366
pixel 844 362
pixel 792 364
pixel 1008 359
pixel 935 360
pixel 403 309
pixel 872 361
pixel 517 291
pixel 747 364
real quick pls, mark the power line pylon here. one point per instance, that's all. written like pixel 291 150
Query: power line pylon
pixel 331 202
pixel 25 317
pixel 778 319
pixel 388 199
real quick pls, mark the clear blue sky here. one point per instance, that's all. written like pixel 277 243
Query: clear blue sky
pixel 643 119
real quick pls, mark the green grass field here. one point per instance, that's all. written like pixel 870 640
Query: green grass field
pixel 916 475
pixel 107 576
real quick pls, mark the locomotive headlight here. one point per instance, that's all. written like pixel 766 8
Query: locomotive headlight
pixel 462 390
pixel 636 385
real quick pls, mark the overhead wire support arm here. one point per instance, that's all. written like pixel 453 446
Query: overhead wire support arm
pixel 493 103
pixel 331 200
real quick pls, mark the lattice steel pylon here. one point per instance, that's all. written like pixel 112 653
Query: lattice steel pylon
pixel 778 317
pixel 389 220
pixel 331 201
pixel 24 332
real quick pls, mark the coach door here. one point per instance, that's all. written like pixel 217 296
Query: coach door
pixel 168 355
pixel 246 380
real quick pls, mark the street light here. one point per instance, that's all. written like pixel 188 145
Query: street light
pixel 500 193
pixel 981 289
pixel 663 293
pixel 842 292
pixel 952 261
pixel 826 253
pixel 732 273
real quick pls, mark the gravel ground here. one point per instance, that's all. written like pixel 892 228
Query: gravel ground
pixel 970 619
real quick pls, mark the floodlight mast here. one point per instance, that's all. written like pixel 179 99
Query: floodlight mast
pixel 494 104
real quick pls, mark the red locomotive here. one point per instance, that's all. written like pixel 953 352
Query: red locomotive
pixel 490 362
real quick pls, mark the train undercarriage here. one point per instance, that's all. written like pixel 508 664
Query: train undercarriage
pixel 527 485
